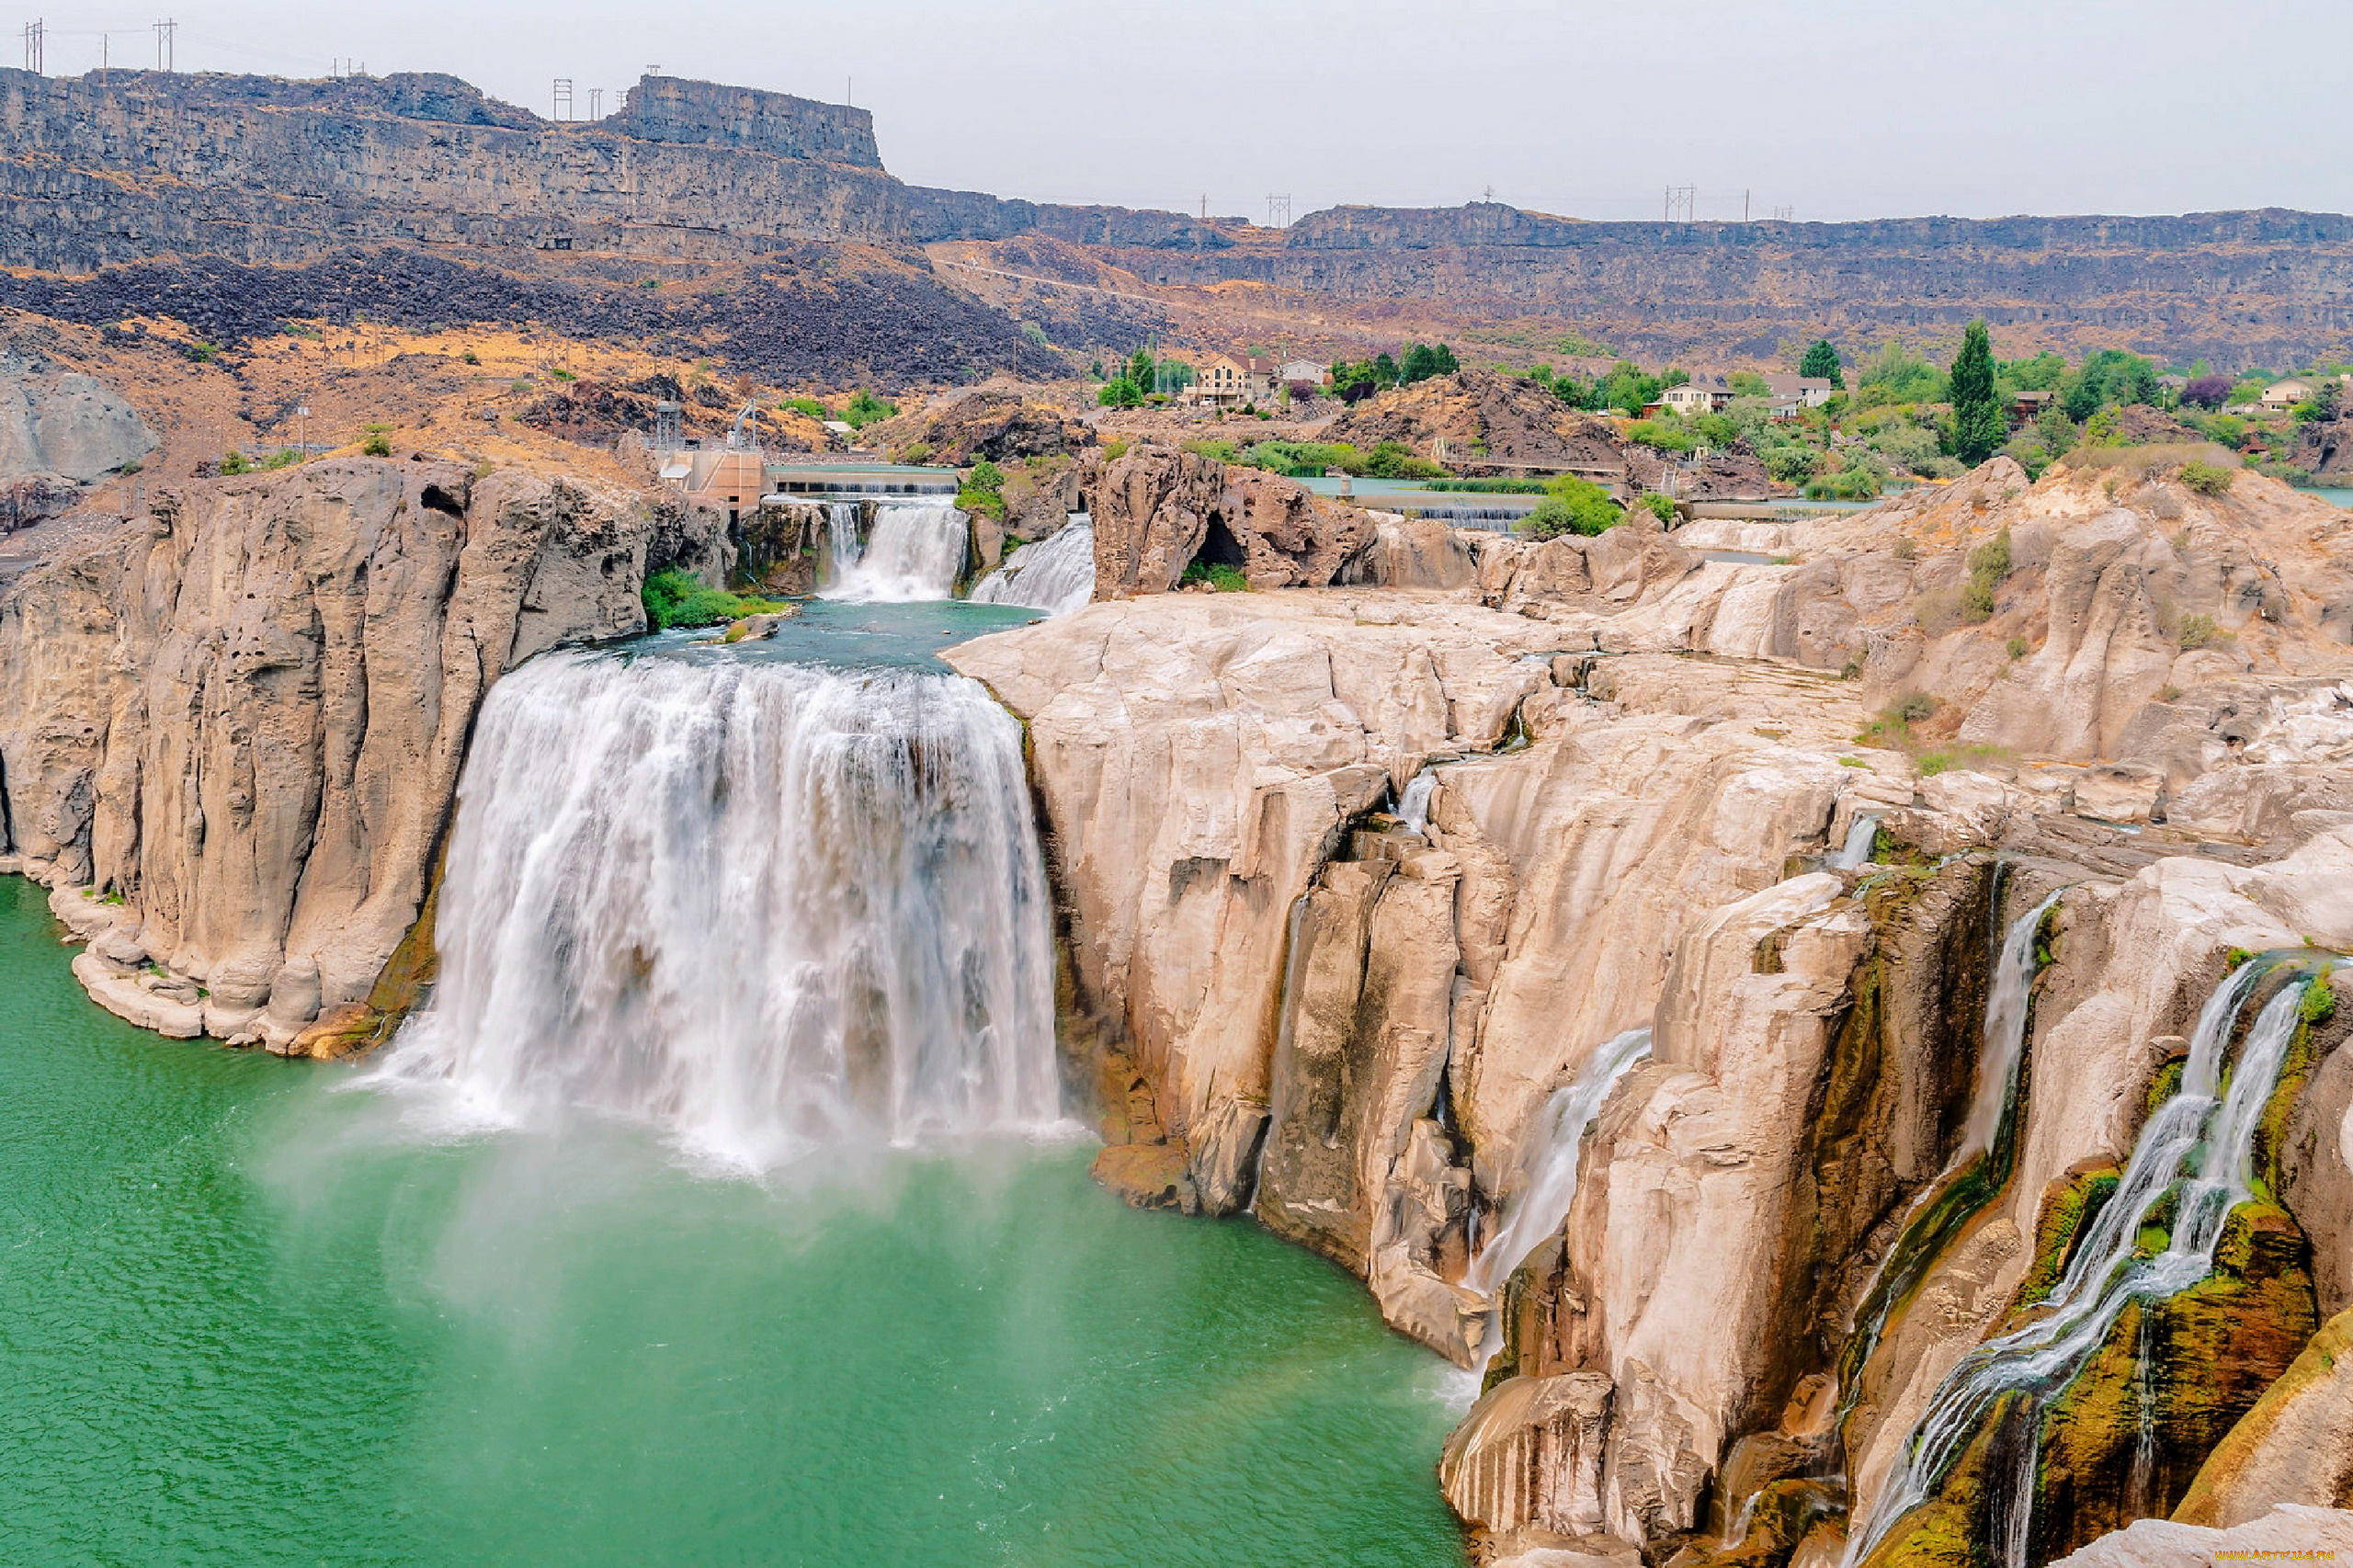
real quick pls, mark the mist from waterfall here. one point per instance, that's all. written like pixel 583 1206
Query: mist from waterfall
pixel 913 552
pixel 2195 1152
pixel 766 908
pixel 1548 1184
pixel 1055 573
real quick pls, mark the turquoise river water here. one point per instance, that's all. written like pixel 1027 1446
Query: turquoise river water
pixel 248 1316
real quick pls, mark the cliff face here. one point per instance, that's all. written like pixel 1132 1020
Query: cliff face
pixel 230 734
pixel 1359 1001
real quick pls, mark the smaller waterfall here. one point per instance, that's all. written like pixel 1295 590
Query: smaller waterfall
pixel 2196 1151
pixel 1861 833
pixel 844 542
pixel 2002 1040
pixel 1414 805
pixel 1549 1164
pixel 1055 573
pixel 914 553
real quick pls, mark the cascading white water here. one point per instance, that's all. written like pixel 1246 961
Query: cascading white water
pixel 766 908
pixel 912 552
pixel 2002 1037
pixel 2198 1148
pixel 1055 573
pixel 1414 805
pixel 844 542
pixel 1862 835
pixel 1548 1184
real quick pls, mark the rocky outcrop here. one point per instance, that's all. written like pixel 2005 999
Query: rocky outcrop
pixel 231 734
pixel 60 425
pixel 2290 1532
pixel 1157 510
pixel 1001 427
pixel 2295 1446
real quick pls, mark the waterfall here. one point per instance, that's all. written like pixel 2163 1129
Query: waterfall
pixel 1861 833
pixel 1549 1164
pixel 914 553
pixel 2196 1150
pixel 1055 573
pixel 764 907
pixel 844 542
pixel 1980 1168
pixel 1414 806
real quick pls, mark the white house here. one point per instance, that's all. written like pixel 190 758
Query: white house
pixel 1307 370
pixel 1810 390
pixel 2289 393
pixel 1696 397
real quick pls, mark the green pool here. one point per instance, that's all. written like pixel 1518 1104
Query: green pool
pixel 246 1318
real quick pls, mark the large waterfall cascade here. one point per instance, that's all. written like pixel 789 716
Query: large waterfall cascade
pixel 1055 573
pixel 914 551
pixel 1547 1186
pixel 766 908
pixel 2196 1151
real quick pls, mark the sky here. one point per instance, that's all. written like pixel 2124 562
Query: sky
pixel 1829 109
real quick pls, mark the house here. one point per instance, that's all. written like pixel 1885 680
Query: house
pixel 1221 381
pixel 2289 392
pixel 1711 396
pixel 2028 406
pixel 1293 371
pixel 1812 391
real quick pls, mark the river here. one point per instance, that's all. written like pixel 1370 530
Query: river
pixel 255 1311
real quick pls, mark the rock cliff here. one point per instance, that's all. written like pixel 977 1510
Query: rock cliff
pixel 230 732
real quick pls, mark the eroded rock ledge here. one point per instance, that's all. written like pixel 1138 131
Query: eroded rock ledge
pixel 230 732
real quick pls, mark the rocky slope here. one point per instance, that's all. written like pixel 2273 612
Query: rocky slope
pixel 230 729
pixel 1354 1001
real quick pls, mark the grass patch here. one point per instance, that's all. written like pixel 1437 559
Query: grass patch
pixel 1221 579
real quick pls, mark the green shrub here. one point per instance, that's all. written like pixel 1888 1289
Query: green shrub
pixel 1490 486
pixel 672 598
pixel 808 405
pixel 1215 450
pixel 2019 648
pixel 2209 479
pixel 864 408
pixel 377 444
pixel 1395 460
pixel 1662 436
pixel 2199 631
pixel 1572 506
pixel 2319 1004
pixel 915 454
pixel 1221 579
pixel 1857 484
pixel 1660 507
pixel 234 463
pixel 1988 564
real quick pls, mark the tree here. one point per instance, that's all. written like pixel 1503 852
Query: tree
pixel 1572 506
pixel 1444 359
pixel 1384 369
pixel 1420 365
pixel 1979 428
pixel 2206 391
pixel 1823 361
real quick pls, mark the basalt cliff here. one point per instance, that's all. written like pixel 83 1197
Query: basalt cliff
pixel 123 190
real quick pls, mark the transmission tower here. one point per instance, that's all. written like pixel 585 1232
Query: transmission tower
pixel 1681 198
pixel 34 31
pixel 561 95
pixel 1278 211
pixel 595 103
pixel 1784 214
pixel 167 46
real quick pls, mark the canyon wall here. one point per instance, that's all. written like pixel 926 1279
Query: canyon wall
pixel 230 732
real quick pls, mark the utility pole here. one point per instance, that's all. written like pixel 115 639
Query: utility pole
pixel 595 103
pixel 1744 207
pixel 167 54
pixel 1278 211
pixel 34 34
pixel 1205 206
pixel 560 96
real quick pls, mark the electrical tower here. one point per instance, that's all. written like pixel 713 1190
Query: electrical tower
pixel 167 46
pixel 34 33
pixel 561 96
pixel 595 103
pixel 1681 198
pixel 1783 214
pixel 1278 211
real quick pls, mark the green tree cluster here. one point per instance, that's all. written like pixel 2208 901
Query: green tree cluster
pixel 1821 359
pixel 864 408
pixel 1422 362
pixel 2108 378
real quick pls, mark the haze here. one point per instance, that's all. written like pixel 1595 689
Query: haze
pixel 1833 109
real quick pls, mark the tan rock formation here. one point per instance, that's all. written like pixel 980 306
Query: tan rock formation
pixel 244 717
pixel 2295 1446
pixel 2291 1532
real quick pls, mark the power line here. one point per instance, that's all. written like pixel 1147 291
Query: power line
pixel 561 95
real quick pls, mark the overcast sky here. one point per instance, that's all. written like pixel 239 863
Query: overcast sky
pixel 1835 108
